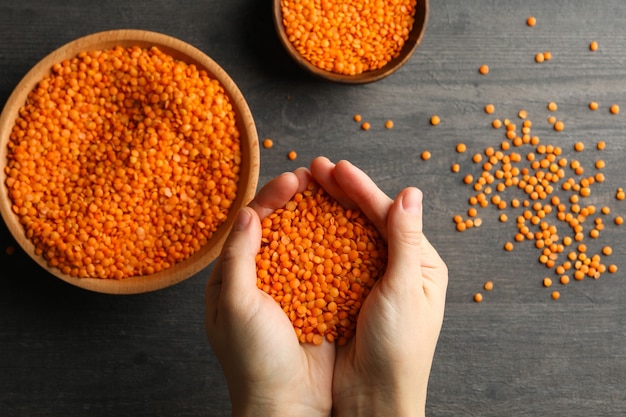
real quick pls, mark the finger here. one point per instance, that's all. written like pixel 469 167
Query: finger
pixel 365 194
pixel 305 179
pixel 276 193
pixel 237 261
pixel 322 170
pixel 405 240
pixel 434 272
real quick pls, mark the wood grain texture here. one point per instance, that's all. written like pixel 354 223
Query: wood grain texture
pixel 67 352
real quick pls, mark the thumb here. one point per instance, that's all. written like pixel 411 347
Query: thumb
pixel 404 238
pixel 237 261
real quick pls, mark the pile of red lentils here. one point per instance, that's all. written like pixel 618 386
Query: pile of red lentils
pixel 319 262
pixel 349 36
pixel 123 162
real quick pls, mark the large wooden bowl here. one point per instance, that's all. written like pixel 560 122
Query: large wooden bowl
pixel 415 37
pixel 249 148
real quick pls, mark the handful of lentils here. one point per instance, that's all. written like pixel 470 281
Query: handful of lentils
pixel 123 162
pixel 319 262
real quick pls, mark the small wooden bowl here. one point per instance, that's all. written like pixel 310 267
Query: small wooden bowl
pixel 415 37
pixel 249 172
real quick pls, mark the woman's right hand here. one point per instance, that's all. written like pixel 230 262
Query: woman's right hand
pixel 384 369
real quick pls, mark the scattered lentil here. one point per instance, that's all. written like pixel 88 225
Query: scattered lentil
pixel 546 170
pixel 435 120
pixel 292 155
pixel 389 124
pixel 484 69
pixel 531 21
pixel 268 143
pixel 614 109
pixel 593 46
pixel 559 126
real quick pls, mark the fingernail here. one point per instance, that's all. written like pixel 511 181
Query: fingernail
pixel 412 201
pixel 243 220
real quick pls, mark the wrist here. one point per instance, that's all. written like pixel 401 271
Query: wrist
pixel 380 403
pixel 263 407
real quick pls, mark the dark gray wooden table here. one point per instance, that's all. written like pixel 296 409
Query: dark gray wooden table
pixel 68 352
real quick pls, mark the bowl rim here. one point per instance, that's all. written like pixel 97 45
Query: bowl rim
pixel 249 168
pixel 415 38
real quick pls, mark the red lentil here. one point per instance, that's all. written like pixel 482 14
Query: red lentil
pixel 435 120
pixel 292 155
pixel 531 21
pixel 127 175
pixel 559 125
pixel 348 37
pixel 268 143
pixel 319 261
pixel 484 69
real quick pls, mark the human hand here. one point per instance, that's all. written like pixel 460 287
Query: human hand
pixel 269 373
pixel 384 368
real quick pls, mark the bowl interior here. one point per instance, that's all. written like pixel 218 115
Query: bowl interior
pixel 249 169
pixel 415 37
